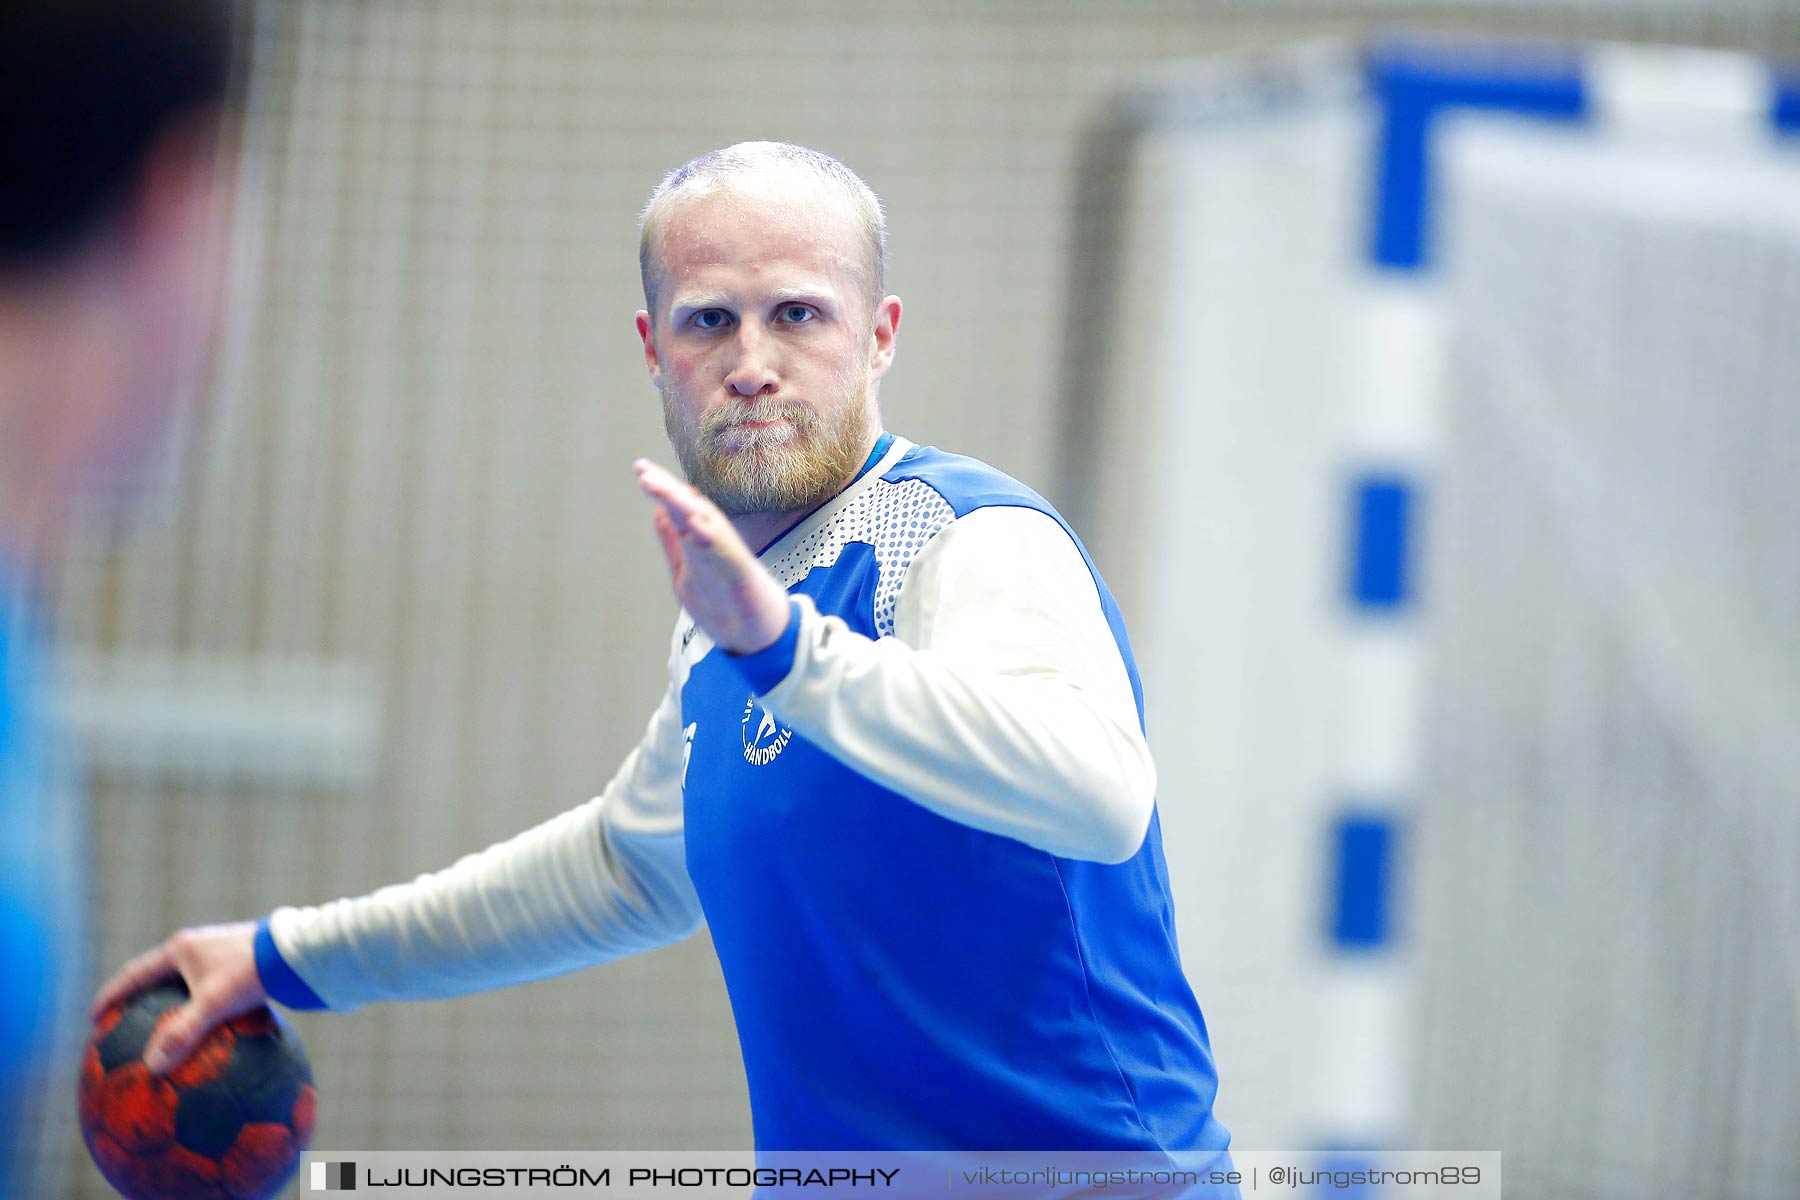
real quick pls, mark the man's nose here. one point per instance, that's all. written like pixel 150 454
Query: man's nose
pixel 754 373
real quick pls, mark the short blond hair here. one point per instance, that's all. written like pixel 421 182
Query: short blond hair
pixel 714 170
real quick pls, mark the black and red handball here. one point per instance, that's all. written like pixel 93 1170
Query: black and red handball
pixel 229 1123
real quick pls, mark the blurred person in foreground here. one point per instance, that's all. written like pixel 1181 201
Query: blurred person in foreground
pixel 112 215
pixel 899 770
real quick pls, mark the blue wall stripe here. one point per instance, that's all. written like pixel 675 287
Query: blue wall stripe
pixel 1382 517
pixel 1414 84
pixel 1363 845
pixel 1786 109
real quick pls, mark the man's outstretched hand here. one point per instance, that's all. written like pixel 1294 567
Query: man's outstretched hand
pixel 730 595
pixel 218 964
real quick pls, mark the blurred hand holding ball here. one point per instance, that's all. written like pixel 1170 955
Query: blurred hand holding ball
pixel 229 1122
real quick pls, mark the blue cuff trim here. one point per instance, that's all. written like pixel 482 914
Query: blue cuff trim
pixel 279 979
pixel 770 665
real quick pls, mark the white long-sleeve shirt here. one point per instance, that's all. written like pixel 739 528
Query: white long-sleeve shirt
pixel 920 827
pixel 1000 702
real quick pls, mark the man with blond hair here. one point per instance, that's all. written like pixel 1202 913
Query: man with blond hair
pixel 899 770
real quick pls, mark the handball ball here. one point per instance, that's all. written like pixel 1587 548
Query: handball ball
pixel 229 1123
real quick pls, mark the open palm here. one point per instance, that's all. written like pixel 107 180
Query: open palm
pixel 731 596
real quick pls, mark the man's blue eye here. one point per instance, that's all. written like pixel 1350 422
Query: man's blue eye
pixel 794 314
pixel 709 318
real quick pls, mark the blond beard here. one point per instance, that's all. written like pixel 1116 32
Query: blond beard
pixel 800 463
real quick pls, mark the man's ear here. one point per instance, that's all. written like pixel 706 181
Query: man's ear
pixel 887 329
pixel 648 337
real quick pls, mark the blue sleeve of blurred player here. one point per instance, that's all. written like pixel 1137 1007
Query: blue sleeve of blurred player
pixel 29 886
